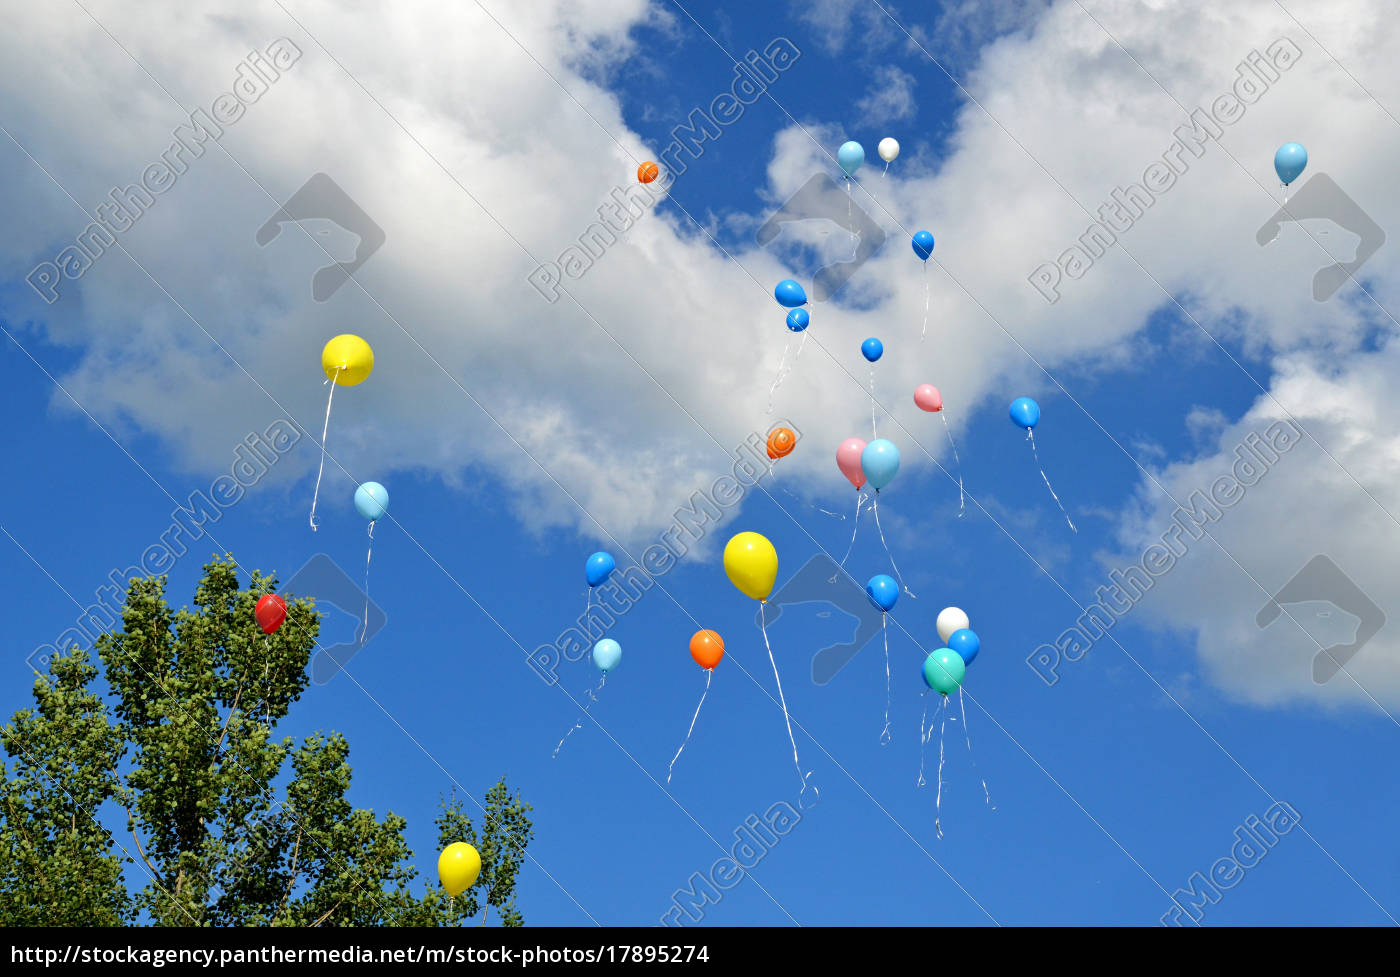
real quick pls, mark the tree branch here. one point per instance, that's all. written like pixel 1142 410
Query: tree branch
pixel 286 896
pixel 155 876
pixel 232 709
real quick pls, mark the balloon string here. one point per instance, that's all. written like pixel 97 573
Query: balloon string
pixel 962 706
pixel 809 505
pixel 763 623
pixel 885 170
pixel 938 801
pixel 364 625
pixel 592 698
pixel 873 433
pixel 1030 436
pixel 778 379
pixel 267 691
pixel 924 330
pixel 709 674
pixel 860 498
pixel 324 428
pixel 876 507
pixel 885 633
pixel 923 738
pixel 848 209
pixel 962 494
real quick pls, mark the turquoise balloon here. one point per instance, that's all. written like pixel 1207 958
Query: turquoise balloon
pixel 1290 161
pixel 850 157
pixel 944 671
pixel 880 463
pixel 606 654
pixel 372 501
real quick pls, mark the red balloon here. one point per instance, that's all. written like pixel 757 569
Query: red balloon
pixel 270 612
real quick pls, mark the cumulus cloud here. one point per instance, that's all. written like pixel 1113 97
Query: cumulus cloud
pixel 1345 507
pixel 891 97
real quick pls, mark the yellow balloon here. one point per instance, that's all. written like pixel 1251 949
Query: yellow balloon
pixel 752 564
pixel 347 360
pixel 458 866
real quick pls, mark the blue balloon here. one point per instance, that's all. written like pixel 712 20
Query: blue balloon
pixel 923 244
pixel 599 567
pixel 798 320
pixel 850 157
pixel 880 463
pixel 1290 161
pixel 789 294
pixel 883 591
pixel 606 654
pixel 965 643
pixel 872 349
pixel 1025 412
pixel 372 501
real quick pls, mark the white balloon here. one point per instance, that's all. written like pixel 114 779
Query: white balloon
pixel 888 149
pixel 951 619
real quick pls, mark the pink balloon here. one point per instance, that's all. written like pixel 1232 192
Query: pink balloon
pixel 928 398
pixel 848 460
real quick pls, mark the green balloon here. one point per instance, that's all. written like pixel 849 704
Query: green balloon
pixel 944 670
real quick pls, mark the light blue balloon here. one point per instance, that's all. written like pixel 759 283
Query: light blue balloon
pixel 883 591
pixel 789 294
pixel 872 349
pixel 1025 412
pixel 850 157
pixel 880 462
pixel 923 244
pixel 372 501
pixel 599 567
pixel 606 654
pixel 966 643
pixel 798 320
pixel 1290 161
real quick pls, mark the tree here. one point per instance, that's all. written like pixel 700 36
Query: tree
pixel 184 754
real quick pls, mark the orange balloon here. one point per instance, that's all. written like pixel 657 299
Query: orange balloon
pixel 781 441
pixel 707 648
pixel 648 172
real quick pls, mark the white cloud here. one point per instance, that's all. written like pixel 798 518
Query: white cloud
pixel 1306 504
pixel 890 99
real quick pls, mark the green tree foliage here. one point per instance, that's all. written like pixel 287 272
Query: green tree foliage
pixel 222 824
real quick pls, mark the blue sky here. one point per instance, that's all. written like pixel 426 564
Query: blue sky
pixel 1112 788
